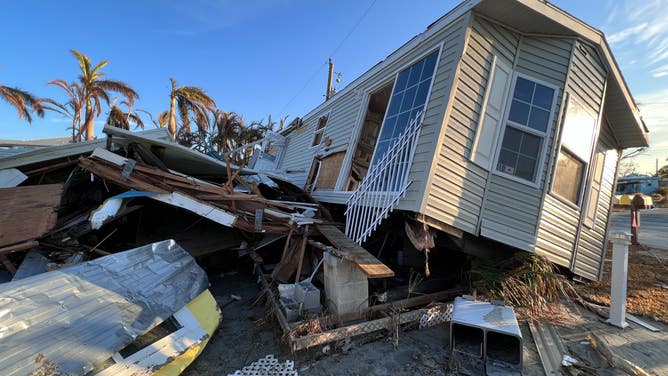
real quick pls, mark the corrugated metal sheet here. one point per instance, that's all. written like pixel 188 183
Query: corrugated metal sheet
pixel 68 150
pixel 77 317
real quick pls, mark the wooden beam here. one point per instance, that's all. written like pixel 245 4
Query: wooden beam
pixel 300 255
pixel 403 304
pixel 448 229
pixel 305 342
pixel 8 264
pixel 18 247
pixel 351 251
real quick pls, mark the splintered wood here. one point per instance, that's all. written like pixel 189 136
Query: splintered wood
pixel 276 217
pixel 28 212
pixel 351 251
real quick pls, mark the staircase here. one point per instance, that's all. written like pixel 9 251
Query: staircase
pixel 385 184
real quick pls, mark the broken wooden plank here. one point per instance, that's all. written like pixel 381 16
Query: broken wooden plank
pixel 350 250
pixel 28 212
pixel 615 360
pixel 550 347
pixel 305 342
pixel 8 264
pixel 18 247
pixel 300 255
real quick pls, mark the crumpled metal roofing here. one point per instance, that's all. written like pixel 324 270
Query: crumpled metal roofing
pixel 77 317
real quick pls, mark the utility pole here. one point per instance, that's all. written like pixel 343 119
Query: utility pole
pixel 328 94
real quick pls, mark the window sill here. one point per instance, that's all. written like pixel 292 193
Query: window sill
pixel 565 201
pixel 516 179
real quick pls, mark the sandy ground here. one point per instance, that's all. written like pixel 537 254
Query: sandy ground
pixel 647 289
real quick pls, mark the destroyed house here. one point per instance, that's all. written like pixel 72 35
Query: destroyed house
pixel 504 120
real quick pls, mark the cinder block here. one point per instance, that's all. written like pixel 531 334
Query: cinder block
pixel 358 291
pixel 342 271
pixel 308 295
pixel 346 286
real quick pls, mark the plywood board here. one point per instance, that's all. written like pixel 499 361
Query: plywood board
pixel 350 250
pixel 329 170
pixel 28 212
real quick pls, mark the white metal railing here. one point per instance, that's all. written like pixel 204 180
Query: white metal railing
pixel 384 184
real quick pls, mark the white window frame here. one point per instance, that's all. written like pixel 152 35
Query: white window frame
pixel 545 135
pixel 320 131
pixel 438 48
pixel 364 104
pixel 585 183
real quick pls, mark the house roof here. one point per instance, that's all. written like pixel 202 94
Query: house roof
pixel 42 154
pixel 536 17
pixel 540 17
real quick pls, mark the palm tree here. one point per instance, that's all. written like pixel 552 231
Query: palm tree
pixel 23 101
pixel 95 89
pixel 188 100
pixel 121 119
pixel 73 108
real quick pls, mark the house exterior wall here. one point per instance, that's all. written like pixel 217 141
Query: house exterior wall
pixel 346 112
pixel 463 194
pixel 590 250
pixel 560 222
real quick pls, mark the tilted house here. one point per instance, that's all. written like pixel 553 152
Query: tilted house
pixel 504 120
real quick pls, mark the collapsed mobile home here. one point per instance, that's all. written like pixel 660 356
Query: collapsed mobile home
pixel 503 121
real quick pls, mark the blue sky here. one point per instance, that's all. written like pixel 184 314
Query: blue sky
pixel 261 57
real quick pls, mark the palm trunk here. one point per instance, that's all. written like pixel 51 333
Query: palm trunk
pixel 172 117
pixel 90 122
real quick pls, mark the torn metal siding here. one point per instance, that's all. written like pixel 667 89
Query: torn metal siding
pixel 78 317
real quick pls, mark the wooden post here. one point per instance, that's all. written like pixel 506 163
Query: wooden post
pixel 301 254
pixel 328 94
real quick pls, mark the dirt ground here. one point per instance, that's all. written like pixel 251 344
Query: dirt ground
pixel 244 337
pixel 647 294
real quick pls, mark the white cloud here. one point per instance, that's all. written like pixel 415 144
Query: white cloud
pixel 640 28
pixel 626 33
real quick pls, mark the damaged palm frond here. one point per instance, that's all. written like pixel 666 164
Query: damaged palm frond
pixel 525 281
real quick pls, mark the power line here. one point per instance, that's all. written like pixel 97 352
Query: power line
pixel 317 72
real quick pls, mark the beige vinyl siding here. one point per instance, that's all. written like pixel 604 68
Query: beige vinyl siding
pixel 511 209
pixel 457 186
pixel 559 223
pixel 347 109
pixel 453 40
pixel 591 246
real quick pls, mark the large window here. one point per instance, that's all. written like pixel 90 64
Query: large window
pixel 526 130
pixel 409 97
pixel 577 138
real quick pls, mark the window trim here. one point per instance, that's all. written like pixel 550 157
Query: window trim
pixel 585 184
pixel 536 183
pixel 321 130
pixel 439 50
pixel 583 180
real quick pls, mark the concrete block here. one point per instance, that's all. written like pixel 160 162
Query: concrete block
pixel 308 295
pixel 346 286
pixel 351 291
